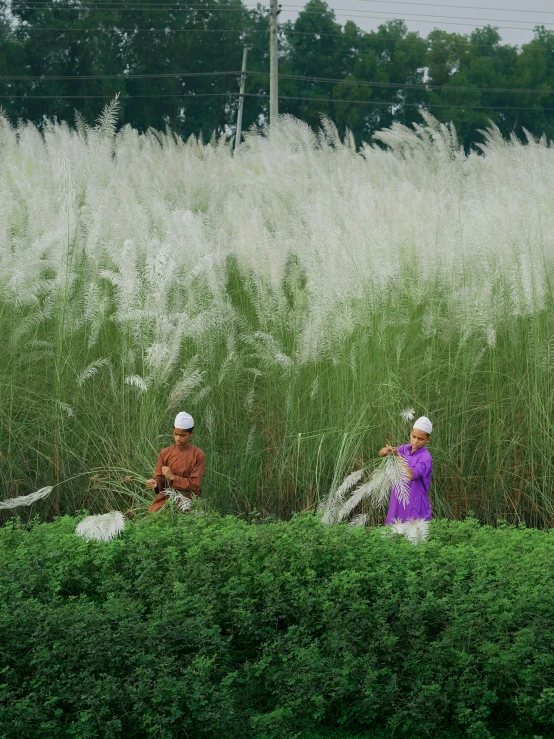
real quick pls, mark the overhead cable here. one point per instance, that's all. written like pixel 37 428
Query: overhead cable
pixel 307 78
pixel 396 104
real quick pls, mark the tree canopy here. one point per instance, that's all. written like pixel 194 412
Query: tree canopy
pixel 177 66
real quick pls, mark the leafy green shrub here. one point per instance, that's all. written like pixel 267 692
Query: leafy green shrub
pixel 200 626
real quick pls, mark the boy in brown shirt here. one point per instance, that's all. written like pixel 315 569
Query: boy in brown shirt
pixel 180 466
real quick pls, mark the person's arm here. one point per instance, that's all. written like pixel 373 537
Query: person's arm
pixel 418 469
pixel 387 450
pixel 158 481
pixel 193 482
pixel 158 474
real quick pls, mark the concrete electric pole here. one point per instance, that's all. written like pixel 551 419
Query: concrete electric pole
pixel 241 99
pixel 273 63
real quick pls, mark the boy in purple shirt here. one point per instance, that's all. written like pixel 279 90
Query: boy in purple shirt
pixel 419 467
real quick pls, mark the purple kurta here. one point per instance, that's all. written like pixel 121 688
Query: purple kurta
pixel 418 505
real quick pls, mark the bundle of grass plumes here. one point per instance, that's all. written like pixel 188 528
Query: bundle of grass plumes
pixel 25 500
pixel 101 528
pixel 415 530
pixel 181 501
pixel 389 475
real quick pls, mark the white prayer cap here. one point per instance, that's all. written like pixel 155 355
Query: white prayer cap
pixel 424 424
pixel 184 421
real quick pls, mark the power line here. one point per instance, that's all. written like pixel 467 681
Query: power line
pixel 161 6
pixel 80 8
pixel 36 4
pixel 346 13
pixel 412 105
pixel 476 28
pixel 307 78
pixel 458 7
pixel 289 32
pixel 145 30
pixel 122 96
pixel 365 37
pixel 410 16
pixel 423 86
pixel 41 77
pixel 231 30
pixel 177 5
pixel 265 96
pixel 343 12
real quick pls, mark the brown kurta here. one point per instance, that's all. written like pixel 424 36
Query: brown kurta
pixel 188 467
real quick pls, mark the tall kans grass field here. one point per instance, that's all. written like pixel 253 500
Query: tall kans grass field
pixel 294 298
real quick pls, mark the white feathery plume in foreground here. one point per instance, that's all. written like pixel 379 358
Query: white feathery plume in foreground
pixel 408 414
pixel 330 505
pixel 415 530
pixel 183 503
pixel 101 528
pixel 397 478
pixel 370 490
pixel 91 370
pixel 137 382
pixel 389 475
pixel 396 527
pixel 25 499
pixel 348 483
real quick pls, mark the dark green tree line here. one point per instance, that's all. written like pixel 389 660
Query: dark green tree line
pixel 60 55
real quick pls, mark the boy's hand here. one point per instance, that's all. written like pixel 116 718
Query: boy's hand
pixel 390 450
pixel 151 484
pixel 168 473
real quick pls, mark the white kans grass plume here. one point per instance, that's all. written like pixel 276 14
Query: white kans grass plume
pixel 104 527
pixel 389 475
pixel 137 382
pixel 130 223
pixel 415 530
pixel 251 439
pixel 347 484
pixel 271 289
pixel 65 408
pixel 182 502
pixel 332 503
pixel 408 414
pixel 185 386
pixel 91 370
pixel 360 520
pixel 25 500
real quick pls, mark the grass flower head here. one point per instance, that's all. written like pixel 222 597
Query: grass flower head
pixel 101 528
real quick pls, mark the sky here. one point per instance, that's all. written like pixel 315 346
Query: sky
pixel 514 19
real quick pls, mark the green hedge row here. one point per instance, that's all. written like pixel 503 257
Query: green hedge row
pixel 199 626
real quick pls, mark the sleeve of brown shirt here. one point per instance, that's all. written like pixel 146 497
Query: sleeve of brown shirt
pixel 193 483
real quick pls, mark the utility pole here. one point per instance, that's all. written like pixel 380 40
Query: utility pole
pixel 241 99
pixel 273 63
